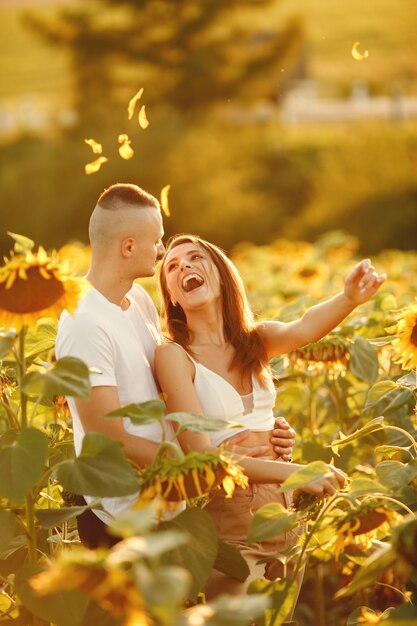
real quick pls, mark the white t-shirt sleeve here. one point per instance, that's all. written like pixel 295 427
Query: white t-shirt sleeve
pixel 82 337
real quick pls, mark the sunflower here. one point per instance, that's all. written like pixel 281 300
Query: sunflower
pixel 359 527
pixel 406 341
pixel 327 355
pixel 35 285
pixel 98 574
pixel 168 476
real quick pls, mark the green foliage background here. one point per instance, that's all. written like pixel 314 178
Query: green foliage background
pixel 236 175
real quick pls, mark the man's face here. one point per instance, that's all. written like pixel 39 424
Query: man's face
pixel 148 243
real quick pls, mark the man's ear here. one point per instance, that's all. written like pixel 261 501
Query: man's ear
pixel 127 246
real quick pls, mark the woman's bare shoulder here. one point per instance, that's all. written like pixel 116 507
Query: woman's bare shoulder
pixel 172 353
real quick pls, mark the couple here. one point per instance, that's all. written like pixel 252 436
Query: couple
pixel 216 362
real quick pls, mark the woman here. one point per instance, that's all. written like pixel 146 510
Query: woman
pixel 217 364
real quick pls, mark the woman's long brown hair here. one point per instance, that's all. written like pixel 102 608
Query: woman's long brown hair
pixel 238 322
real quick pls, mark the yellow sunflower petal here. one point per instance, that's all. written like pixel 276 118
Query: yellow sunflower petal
pixel 356 54
pixel 164 200
pixel 179 483
pixel 126 151
pixel 229 486
pixel 94 166
pixel 210 476
pixel 132 104
pixel 196 480
pixel 96 147
pixel 22 273
pixel 143 120
pixel 10 280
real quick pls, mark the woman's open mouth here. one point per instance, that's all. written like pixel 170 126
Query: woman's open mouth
pixel 192 282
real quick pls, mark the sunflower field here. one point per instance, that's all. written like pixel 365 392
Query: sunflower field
pixel 351 397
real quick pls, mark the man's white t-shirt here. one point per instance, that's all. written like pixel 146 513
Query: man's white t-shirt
pixel 120 344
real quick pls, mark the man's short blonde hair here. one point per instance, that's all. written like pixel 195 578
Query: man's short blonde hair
pixel 117 209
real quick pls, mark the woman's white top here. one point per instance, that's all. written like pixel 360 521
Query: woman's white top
pixel 218 398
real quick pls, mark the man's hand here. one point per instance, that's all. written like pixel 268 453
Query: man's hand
pixel 363 282
pixel 283 439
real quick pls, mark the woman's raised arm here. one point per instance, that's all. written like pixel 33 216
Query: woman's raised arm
pixel 361 284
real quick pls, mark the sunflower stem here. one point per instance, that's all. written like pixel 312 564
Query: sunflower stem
pixel 30 524
pixel 21 366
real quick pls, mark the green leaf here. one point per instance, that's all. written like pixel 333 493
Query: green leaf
pixel 362 486
pixel 379 391
pixel 66 608
pixel 97 616
pixel 305 476
pixel 227 611
pixel 282 594
pixel 134 522
pixel 22 464
pixel 269 521
pixel 378 562
pixel 7 528
pixel 50 518
pixel 68 376
pixel 370 427
pixel 363 362
pixel 42 338
pixel 391 450
pixel 6 342
pixel 22 244
pixel 396 475
pixel 403 615
pixel 399 400
pixel 100 470
pixel 200 423
pixel 408 380
pixel 142 413
pixel 19 542
pixel 164 589
pixel 154 545
pixel 230 561
pixel 199 554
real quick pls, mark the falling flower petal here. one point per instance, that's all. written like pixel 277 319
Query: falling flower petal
pixel 132 103
pixel 143 121
pixel 94 166
pixel 95 146
pixel 164 200
pixel 356 54
pixel 125 151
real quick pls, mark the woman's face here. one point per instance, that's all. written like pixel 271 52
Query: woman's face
pixel 192 278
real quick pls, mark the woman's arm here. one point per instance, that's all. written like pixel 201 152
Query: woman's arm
pixel 318 320
pixel 175 373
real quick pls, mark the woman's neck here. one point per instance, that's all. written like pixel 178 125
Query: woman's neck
pixel 206 327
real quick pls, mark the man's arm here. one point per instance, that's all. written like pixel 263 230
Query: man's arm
pixel 102 400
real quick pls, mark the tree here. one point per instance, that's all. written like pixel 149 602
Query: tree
pixel 188 55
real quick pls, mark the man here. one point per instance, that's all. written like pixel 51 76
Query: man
pixel 115 330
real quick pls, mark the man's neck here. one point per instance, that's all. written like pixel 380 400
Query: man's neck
pixel 111 287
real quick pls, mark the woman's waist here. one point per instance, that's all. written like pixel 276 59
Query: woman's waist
pixel 252 439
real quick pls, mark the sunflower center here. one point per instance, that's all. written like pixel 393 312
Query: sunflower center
pixel 31 295
pixel 413 336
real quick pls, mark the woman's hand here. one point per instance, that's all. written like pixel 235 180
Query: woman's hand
pixel 283 439
pixel 363 282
